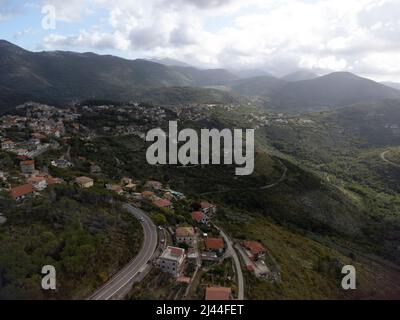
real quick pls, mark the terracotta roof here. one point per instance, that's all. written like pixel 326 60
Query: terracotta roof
pixel 214 243
pixel 38 135
pixel 176 251
pixel 51 181
pixel 36 179
pixel 162 203
pixel 27 163
pixel 218 293
pixel 197 215
pixel 184 232
pixel 21 190
pixel 83 180
pixel 255 247
pixel 205 205
pixel 147 193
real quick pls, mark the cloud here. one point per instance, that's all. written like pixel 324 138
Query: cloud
pixel 278 36
pixel 8 9
pixel 71 10
pixel 205 3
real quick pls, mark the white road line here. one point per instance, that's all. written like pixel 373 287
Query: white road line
pixel 123 277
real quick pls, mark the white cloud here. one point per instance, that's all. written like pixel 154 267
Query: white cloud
pixel 277 35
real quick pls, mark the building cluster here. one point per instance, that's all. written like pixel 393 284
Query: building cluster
pixel 35 181
pixel 191 245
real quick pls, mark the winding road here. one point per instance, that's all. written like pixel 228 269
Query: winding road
pixel 268 186
pixel 383 157
pixel 238 267
pixel 117 286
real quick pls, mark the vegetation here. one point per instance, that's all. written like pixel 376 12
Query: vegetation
pixel 87 236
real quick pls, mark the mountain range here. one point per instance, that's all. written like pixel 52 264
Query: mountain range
pixel 62 76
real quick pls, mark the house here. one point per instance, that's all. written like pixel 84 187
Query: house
pixel 218 293
pixel 95 169
pixel 185 235
pixel 172 260
pixel 215 244
pixel 21 192
pixel 61 163
pixel 38 136
pixel 208 208
pixel 200 217
pixel 155 185
pixel 34 142
pixel 115 188
pixel 127 184
pixel 255 248
pixel 52 181
pixel 27 166
pixel 84 182
pixel 38 183
pixel 7 145
pixel 163 203
pixel 21 152
pixel 192 254
pixel 148 195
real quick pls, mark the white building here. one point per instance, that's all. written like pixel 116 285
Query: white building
pixel 172 260
pixel 38 183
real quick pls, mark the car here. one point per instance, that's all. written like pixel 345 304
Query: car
pixel 141 219
pixel 162 241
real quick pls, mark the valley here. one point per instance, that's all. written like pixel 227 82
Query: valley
pixel 323 193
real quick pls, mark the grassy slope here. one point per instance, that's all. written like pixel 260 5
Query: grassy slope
pixel 308 268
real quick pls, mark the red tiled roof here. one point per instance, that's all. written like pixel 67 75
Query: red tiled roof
pixel 197 215
pixel 162 203
pixel 176 251
pixel 21 190
pixel 218 293
pixel 51 181
pixel 147 193
pixel 184 232
pixel 214 243
pixel 27 163
pixel 38 136
pixel 255 247
pixel 205 205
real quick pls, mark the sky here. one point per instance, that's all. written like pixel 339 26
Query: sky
pixel 359 36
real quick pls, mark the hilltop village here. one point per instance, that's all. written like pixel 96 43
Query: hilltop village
pixel 200 261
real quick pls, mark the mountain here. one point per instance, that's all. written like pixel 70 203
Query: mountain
pixel 394 85
pixel 207 77
pixel 300 75
pixel 169 62
pixel 258 86
pixel 60 77
pixel 250 73
pixel 332 90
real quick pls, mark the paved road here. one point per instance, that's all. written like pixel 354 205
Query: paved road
pixel 235 257
pixel 120 282
pixel 383 157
